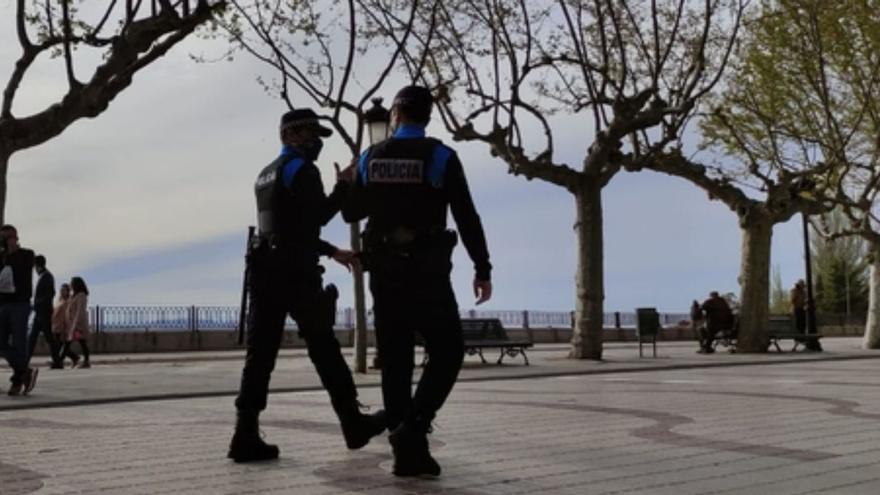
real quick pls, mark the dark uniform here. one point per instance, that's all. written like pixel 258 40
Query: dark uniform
pixel 404 187
pixel 285 279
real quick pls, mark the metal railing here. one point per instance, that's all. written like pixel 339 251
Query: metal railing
pixel 220 318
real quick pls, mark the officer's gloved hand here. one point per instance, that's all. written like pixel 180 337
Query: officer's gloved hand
pixel 482 290
pixel 346 258
pixel 346 175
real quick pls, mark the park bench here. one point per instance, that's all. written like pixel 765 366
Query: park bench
pixel 486 333
pixel 489 333
pixel 781 327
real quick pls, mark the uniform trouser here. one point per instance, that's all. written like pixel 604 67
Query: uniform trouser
pixel 13 337
pixel 275 293
pixel 407 301
pixel 43 325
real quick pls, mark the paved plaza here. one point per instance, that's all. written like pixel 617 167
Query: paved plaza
pixel 679 424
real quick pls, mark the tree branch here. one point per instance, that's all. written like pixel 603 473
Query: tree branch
pixel 72 83
pixel 540 167
pixel 131 52
pixel 675 164
pixel 21 25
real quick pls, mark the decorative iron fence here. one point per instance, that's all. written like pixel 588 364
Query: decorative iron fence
pixel 224 318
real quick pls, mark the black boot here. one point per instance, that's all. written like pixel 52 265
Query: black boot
pixel 409 442
pixel 246 444
pixel 358 428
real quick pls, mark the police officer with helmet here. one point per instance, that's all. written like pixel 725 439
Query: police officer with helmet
pixel 404 187
pixel 285 278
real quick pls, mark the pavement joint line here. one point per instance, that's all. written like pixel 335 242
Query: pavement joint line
pixel 474 379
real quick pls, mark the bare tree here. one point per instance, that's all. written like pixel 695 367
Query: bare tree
pixel 331 54
pixel 130 36
pixel 800 116
pixel 626 74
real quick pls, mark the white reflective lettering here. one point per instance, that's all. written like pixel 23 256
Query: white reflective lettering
pixel 396 171
pixel 267 178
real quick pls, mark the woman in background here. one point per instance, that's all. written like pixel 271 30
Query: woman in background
pixel 78 320
pixel 59 324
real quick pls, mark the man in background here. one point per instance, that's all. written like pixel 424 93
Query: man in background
pixel 718 317
pixel 16 279
pixel 43 297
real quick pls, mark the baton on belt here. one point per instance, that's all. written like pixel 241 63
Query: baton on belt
pixel 242 314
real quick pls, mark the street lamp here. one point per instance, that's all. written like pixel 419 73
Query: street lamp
pixel 811 303
pixel 376 120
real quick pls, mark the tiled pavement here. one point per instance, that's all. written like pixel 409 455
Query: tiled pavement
pixel 761 428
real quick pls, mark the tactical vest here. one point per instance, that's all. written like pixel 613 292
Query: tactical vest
pixel 404 179
pixel 274 200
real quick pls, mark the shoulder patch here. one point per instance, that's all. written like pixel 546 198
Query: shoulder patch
pixel 396 171
pixel 290 169
pixel 439 160
pixel 362 166
pixel 266 178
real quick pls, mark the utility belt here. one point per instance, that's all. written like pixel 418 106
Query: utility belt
pixel 265 242
pixel 274 251
pixel 407 245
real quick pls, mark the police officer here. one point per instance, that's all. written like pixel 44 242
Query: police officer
pixel 285 278
pixel 404 186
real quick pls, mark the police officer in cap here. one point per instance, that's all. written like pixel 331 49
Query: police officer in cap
pixel 404 187
pixel 285 278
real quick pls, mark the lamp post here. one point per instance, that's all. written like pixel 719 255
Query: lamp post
pixel 811 303
pixel 377 120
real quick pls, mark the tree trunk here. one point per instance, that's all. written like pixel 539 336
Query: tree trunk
pixel 586 340
pixel 4 168
pixel 872 325
pixel 754 286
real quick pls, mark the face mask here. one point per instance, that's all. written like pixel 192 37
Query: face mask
pixel 313 148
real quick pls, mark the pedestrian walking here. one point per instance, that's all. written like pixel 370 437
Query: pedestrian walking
pixel 16 279
pixel 60 325
pixel 404 187
pixel 284 278
pixel 77 324
pixel 43 295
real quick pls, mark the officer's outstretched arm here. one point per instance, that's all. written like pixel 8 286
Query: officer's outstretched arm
pixel 325 248
pixel 466 218
pixel 356 205
pixel 308 187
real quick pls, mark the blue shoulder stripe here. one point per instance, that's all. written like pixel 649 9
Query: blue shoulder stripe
pixel 362 166
pixel 290 170
pixel 437 170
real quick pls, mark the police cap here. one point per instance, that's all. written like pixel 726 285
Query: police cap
pixel 304 117
pixel 414 100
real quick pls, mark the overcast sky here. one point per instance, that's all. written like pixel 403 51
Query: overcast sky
pixel 150 201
